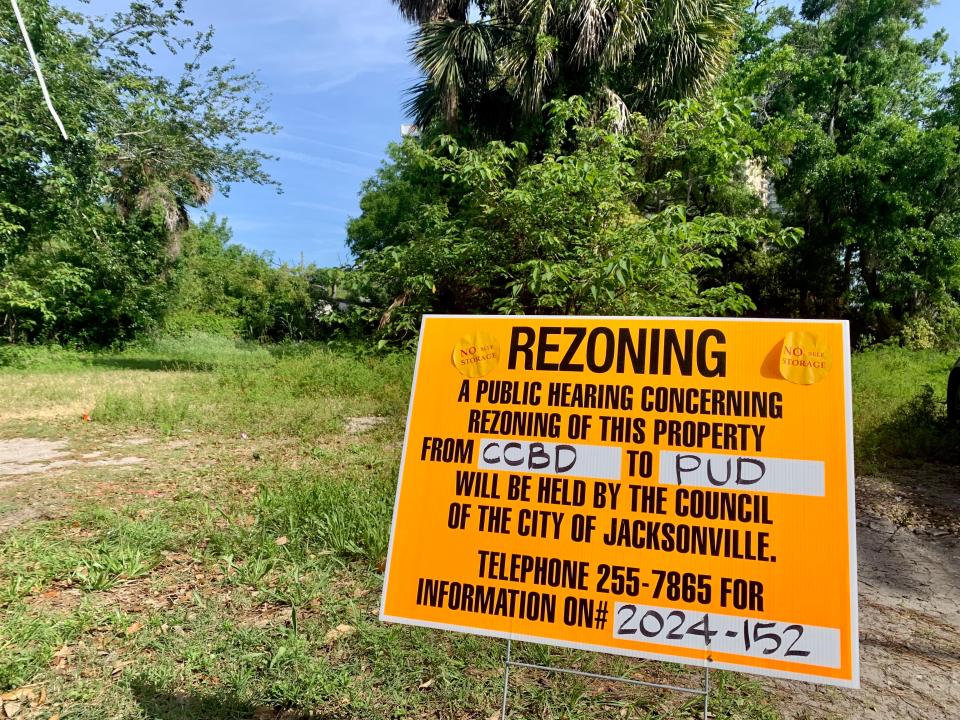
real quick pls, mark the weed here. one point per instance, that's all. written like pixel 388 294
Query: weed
pixel 28 642
pixel 104 567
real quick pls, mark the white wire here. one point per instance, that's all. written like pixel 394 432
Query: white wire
pixel 36 68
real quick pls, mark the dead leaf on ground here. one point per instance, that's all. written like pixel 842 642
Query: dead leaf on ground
pixel 426 685
pixel 338 632
pixel 134 628
pixel 282 540
pixel 118 667
pixel 281 616
pixel 11 709
pixel 24 693
pixel 495 716
pixel 60 657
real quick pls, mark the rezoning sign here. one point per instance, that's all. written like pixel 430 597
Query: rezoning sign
pixel 676 489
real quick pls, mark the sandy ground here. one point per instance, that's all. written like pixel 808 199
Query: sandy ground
pixel 908 533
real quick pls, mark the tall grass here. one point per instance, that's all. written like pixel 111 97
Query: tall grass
pixel 347 515
pixel 899 402
pixel 213 384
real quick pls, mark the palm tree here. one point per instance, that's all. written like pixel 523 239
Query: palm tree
pixel 482 59
pixel 423 11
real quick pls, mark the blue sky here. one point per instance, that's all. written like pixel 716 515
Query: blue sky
pixel 336 72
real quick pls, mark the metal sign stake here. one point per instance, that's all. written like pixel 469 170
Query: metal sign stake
pixel 510 662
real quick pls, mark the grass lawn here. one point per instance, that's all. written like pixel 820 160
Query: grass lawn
pixel 210 543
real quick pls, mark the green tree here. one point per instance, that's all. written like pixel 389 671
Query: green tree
pixel 389 198
pixel 224 288
pixel 90 226
pixel 870 169
pixel 491 65
pixel 604 223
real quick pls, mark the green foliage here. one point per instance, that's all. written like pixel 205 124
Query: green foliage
pixel 388 198
pixel 226 289
pixel 491 67
pixel 90 227
pixel 346 515
pixel 28 643
pixel 867 164
pixel 22 356
pixel 603 223
pixel 900 408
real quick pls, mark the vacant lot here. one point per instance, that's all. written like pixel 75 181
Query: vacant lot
pixel 196 530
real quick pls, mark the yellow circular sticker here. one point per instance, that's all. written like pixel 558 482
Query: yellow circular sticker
pixel 804 359
pixel 476 354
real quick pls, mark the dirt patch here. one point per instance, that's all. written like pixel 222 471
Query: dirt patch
pixel 357 425
pixel 129 460
pixel 28 456
pixel 133 441
pixel 20 517
pixel 909 570
pixel 32 477
pixel 22 456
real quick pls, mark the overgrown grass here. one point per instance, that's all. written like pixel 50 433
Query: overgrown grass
pixel 900 408
pixel 206 384
pixel 249 586
pixel 192 351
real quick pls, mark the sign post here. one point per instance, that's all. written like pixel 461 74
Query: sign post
pixel 666 488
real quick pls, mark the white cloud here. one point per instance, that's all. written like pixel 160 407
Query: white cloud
pixel 319 206
pixel 319 161
pixel 300 139
pixel 333 42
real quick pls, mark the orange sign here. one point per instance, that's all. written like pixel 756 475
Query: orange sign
pixel 675 489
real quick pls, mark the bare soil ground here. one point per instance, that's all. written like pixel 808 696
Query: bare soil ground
pixel 35 475
pixel 908 528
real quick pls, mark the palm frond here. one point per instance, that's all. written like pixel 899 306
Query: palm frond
pixel 641 51
pixel 606 32
pixel 424 11
pixel 629 27
pixel 453 55
pixel 529 60
pixel 691 44
pixel 613 104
